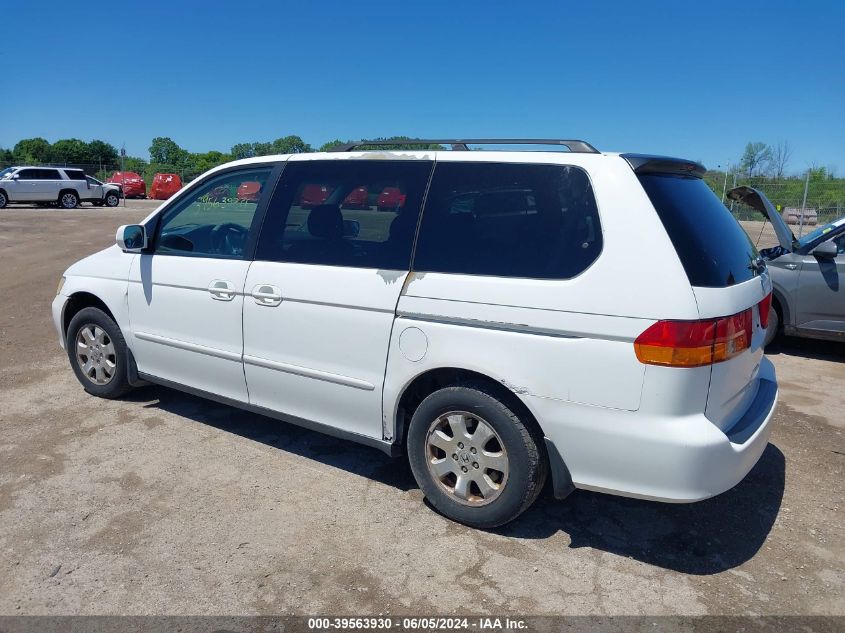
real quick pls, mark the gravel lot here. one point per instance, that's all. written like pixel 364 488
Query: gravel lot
pixel 162 503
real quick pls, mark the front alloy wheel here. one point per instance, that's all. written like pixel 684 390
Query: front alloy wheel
pixel 98 353
pixel 95 354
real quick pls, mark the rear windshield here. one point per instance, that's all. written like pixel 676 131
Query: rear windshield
pixel 714 249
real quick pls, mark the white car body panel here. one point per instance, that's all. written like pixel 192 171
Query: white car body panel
pixel 180 332
pixel 343 344
pixel 104 275
pixel 320 354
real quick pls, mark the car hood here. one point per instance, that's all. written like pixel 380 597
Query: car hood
pixel 757 200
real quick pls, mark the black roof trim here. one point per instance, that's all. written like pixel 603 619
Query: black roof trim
pixel 575 146
pixel 651 164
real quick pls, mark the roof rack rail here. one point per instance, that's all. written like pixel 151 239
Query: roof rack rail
pixel 575 146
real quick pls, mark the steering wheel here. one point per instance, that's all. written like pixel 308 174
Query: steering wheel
pixel 228 238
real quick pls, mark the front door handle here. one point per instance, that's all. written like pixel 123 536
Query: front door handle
pixel 791 266
pixel 222 290
pixel 267 295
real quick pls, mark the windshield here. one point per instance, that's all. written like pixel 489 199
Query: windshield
pixel 5 173
pixel 819 232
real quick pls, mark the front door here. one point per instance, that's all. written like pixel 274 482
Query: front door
pixel 320 298
pixel 821 291
pixel 22 186
pixel 186 295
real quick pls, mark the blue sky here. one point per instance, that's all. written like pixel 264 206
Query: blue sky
pixel 696 79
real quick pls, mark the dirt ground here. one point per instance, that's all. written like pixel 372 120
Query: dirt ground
pixel 162 503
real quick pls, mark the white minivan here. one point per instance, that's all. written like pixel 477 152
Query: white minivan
pixel 502 317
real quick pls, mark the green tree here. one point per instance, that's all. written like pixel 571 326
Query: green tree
pixel 6 155
pixel 199 163
pixel 102 152
pixel 756 158
pixel 69 150
pixel 164 150
pixel 330 145
pixel 242 150
pixel 31 150
pixel 290 145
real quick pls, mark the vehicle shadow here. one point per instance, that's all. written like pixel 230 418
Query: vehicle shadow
pixel 701 538
pixel 355 458
pixel 807 348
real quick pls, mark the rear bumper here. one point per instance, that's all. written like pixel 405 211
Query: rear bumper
pixel 680 459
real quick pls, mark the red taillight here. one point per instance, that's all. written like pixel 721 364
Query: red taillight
pixel 764 306
pixel 694 343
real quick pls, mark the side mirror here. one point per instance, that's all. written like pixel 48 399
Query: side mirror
pixel 825 250
pixel 131 238
pixel 16 176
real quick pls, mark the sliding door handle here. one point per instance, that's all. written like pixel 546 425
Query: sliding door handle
pixel 267 295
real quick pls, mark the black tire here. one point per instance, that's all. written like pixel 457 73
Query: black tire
pixel 68 199
pixel 522 443
pixel 774 326
pixel 118 384
pixel 111 199
pixel 4 199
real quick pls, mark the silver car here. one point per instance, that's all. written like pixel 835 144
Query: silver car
pixel 808 274
pixel 65 186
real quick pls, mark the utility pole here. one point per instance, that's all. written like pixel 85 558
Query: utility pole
pixel 123 173
pixel 804 204
pixel 732 202
pixel 725 186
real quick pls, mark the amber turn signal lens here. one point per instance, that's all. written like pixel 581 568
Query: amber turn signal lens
pixel 694 343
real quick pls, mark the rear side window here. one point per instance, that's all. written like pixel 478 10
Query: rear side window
pixel 509 220
pixel 48 174
pixel 356 213
pixel 714 249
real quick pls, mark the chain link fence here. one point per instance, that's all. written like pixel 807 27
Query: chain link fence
pixel 803 202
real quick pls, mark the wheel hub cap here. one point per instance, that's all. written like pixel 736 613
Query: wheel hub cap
pixel 95 354
pixel 467 458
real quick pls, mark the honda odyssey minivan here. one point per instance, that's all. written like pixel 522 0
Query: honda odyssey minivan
pixel 592 319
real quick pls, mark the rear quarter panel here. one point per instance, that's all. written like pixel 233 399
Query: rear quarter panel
pixel 565 340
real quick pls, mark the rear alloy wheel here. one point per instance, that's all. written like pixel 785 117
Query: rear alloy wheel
pixel 68 200
pixel 475 459
pixel 3 200
pixel 112 199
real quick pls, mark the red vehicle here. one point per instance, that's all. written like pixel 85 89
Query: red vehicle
pixel 132 184
pixel 164 186
pixel 313 195
pixel 358 198
pixel 390 199
pixel 249 191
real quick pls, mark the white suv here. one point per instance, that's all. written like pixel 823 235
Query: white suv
pixel 501 316
pixel 64 186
